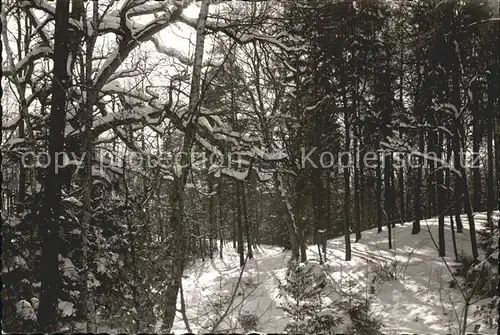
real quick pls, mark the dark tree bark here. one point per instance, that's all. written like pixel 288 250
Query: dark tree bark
pixel 234 222
pixel 431 184
pixel 378 194
pixel 239 220
pixel 290 219
pixel 418 186
pixel 248 226
pixel 211 213
pixel 22 172
pixel 476 146
pixel 299 217
pixel 459 187
pixel 357 209
pixel 221 222
pixel 388 196
pixel 362 190
pixel 347 233
pixel 449 153
pixel 317 194
pixel 347 188
pixel 401 181
pixel 497 152
pixel 441 198
pixel 489 139
pixel 51 211
pixel 328 206
pixel 393 203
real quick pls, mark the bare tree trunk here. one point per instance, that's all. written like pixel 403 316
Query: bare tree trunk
pixel 290 218
pixel 22 171
pixel 418 186
pixel 402 204
pixel 431 183
pixel 357 209
pixel 221 222
pixel 497 152
pixel 234 223
pixel 247 223
pixel 440 198
pixel 347 189
pixel 459 187
pixel 476 143
pixel 362 190
pixel 489 138
pixel 241 250
pixel 378 194
pixel 459 145
pixel 177 197
pixel 50 213
pixel 388 195
pixel 88 147
pixel 299 217
pixel 448 195
pixel 328 221
pixel 210 213
pixel 347 232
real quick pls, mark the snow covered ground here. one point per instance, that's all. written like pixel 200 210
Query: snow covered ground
pixel 417 298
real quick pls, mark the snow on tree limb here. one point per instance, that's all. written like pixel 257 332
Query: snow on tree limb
pixel 241 37
pixel 130 42
pixel 171 52
pixel 30 57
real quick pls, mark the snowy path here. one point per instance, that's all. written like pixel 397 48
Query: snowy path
pixel 417 299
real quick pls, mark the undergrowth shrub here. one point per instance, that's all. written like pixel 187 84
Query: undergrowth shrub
pixel 481 277
pixel 363 321
pixel 315 303
pixel 248 321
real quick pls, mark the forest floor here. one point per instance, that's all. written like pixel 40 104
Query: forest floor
pixel 409 286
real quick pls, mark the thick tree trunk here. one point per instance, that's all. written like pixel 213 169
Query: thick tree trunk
pixel 51 211
pixel 290 218
pixel 458 148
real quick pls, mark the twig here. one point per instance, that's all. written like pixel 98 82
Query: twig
pixel 232 297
